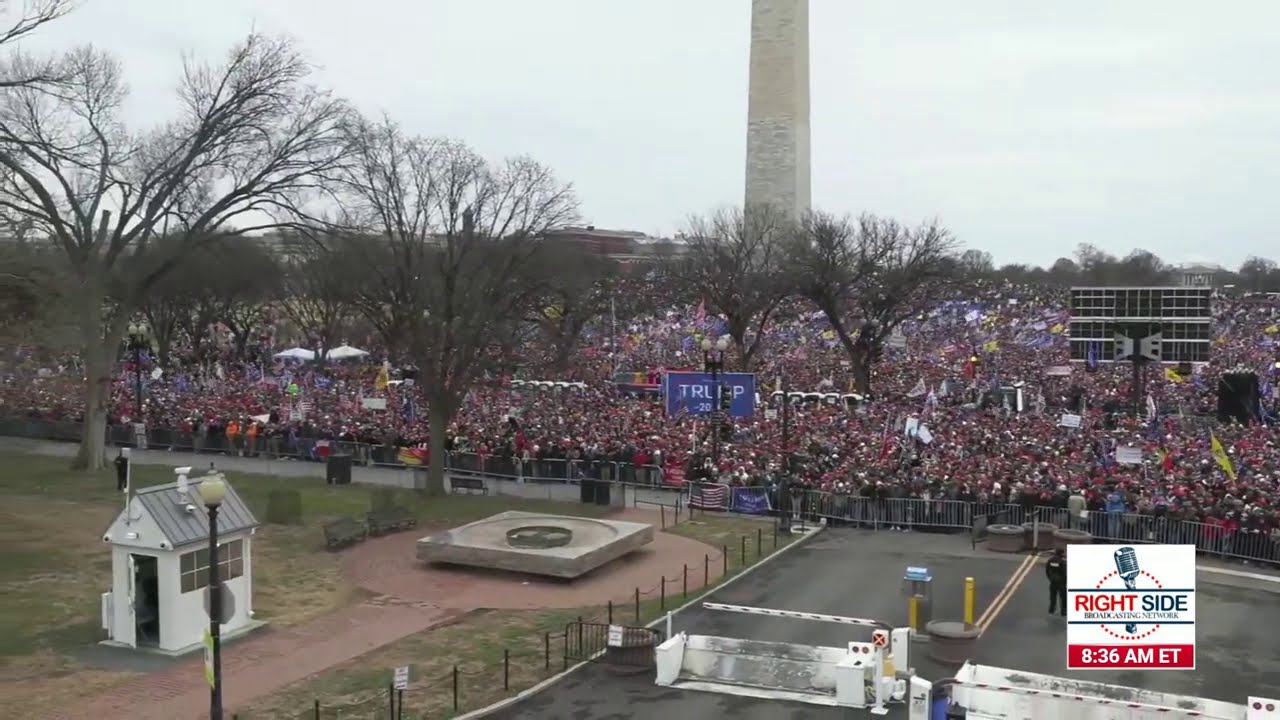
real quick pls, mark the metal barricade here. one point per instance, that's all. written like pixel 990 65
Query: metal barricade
pixel 874 513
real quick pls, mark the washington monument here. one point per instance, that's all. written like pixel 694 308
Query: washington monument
pixel 778 106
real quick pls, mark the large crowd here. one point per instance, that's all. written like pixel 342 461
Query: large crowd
pixel 926 378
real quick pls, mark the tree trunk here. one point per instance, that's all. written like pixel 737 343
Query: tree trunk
pixel 438 424
pixel 92 453
pixel 860 367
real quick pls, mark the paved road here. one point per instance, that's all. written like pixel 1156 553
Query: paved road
pixel 841 572
pixel 858 573
pixel 1237 655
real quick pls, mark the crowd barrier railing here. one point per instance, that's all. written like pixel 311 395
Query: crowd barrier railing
pixel 931 515
pixel 887 513
pixel 281 447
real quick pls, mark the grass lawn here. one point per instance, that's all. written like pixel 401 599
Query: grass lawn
pixel 54 565
pixel 532 641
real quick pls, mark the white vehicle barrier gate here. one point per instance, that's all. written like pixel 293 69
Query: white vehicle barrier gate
pixel 859 675
pixel 992 693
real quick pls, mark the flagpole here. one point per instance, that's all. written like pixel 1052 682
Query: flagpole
pixel 613 333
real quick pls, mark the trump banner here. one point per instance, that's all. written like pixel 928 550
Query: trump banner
pixel 694 393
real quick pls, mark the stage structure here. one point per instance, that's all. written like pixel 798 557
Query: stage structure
pixel 1141 325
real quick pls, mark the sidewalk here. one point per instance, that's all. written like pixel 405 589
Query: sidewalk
pixel 257 666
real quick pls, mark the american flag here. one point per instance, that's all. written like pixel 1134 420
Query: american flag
pixel 708 496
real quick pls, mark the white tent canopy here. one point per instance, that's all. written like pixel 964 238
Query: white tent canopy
pixel 345 352
pixel 295 353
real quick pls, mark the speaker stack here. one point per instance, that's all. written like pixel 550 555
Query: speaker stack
pixel 1238 397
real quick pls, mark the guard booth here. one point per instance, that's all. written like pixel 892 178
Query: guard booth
pixel 917 584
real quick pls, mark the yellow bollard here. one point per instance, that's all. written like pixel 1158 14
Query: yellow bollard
pixel 968 600
pixel 913 612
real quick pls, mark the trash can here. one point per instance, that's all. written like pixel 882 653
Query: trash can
pixel 338 470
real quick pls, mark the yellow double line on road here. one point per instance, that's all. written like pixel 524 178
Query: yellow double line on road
pixel 1006 593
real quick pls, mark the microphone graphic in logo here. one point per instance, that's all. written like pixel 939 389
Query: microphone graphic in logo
pixel 1127 567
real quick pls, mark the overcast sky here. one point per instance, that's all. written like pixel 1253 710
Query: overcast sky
pixel 1025 127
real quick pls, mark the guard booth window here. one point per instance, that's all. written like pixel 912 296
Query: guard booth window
pixel 195 565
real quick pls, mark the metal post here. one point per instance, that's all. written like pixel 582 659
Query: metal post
pixel 968 600
pixel 391 700
pixel 1139 381
pixel 215 617
pixel 724 555
pixel 743 557
pixel 546 649
pixel 506 669
pixel 759 542
pixel 684 591
pixel 610 612
pixel 662 594
pixel 316 704
pixel 784 483
pixel 137 378
pixel 455 688
pixel 637 606
pixel 706 570
pixel 399 705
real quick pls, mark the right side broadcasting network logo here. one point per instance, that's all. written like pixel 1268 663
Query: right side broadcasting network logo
pixel 1131 606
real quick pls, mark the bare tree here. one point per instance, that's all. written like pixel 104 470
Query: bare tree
pixel 460 271
pixel 579 290
pixel 733 260
pixel 190 298
pixel 319 291
pixel 252 142
pixel 23 70
pixel 869 276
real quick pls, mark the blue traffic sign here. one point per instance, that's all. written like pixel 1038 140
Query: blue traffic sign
pixel 694 393
pixel 917 574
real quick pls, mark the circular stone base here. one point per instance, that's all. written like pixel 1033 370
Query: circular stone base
pixel 539 537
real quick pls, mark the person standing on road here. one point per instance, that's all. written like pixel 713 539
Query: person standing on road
pixel 1056 570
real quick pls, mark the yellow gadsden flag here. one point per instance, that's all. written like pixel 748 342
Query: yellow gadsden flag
pixel 1173 376
pixel 384 379
pixel 1220 456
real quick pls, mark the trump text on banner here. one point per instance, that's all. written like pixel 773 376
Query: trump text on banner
pixel 694 393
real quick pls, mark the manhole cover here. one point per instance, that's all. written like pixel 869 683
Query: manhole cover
pixel 539 537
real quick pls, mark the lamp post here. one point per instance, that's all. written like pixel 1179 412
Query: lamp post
pixel 713 364
pixel 139 339
pixel 212 490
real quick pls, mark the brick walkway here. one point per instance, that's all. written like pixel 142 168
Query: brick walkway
pixel 259 665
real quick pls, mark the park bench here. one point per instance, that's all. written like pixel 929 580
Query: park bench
pixel 343 532
pixel 390 519
pixel 468 486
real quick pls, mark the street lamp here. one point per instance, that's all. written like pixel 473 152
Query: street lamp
pixel 713 364
pixel 139 340
pixel 212 490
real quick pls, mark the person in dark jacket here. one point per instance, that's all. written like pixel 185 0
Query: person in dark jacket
pixel 1056 570
pixel 122 472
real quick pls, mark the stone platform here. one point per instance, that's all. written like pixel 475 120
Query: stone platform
pixel 555 545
